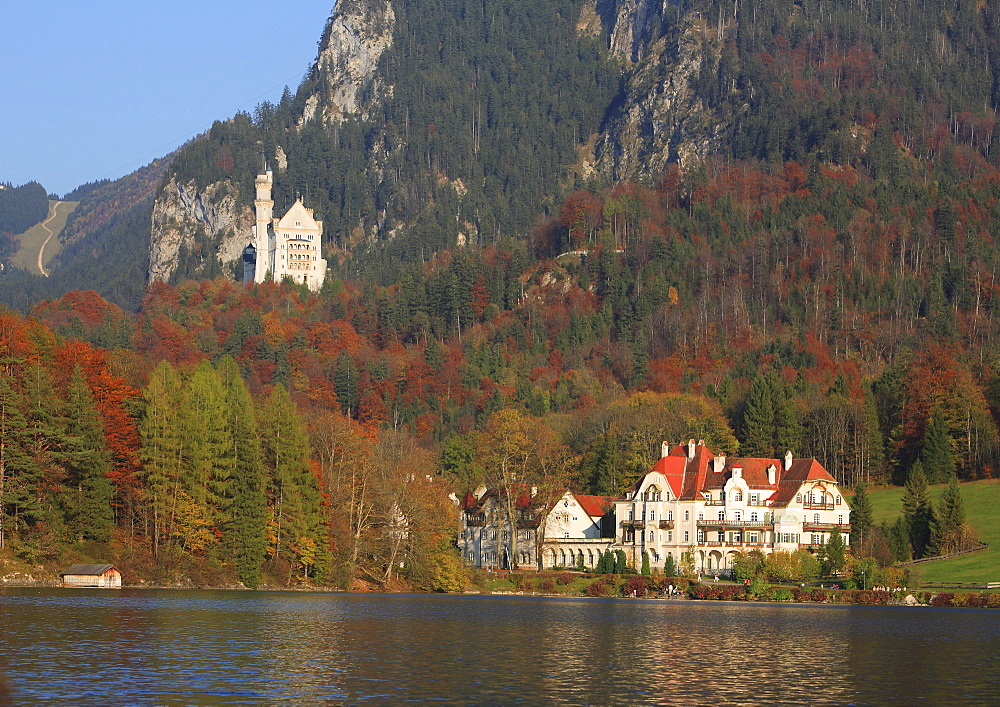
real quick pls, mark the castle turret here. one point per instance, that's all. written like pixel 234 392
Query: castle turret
pixel 263 236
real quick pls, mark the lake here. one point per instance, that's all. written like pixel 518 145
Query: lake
pixel 197 647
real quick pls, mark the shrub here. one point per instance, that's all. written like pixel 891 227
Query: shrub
pixel 778 594
pixel 548 585
pixel 565 578
pixel 636 585
pixel 524 583
pixel 802 595
pixel 597 588
pixel 818 595
pixel 941 599
pixel 991 600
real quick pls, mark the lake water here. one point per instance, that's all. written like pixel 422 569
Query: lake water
pixel 197 647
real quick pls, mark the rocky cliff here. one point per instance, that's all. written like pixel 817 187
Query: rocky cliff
pixel 661 118
pixel 184 215
pixel 658 118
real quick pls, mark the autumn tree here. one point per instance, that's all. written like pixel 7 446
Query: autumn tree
pixel 527 466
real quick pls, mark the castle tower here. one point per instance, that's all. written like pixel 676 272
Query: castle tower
pixel 263 236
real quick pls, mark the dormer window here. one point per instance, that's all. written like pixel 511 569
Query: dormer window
pixel 798 498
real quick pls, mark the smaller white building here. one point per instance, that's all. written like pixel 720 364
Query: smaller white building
pixel 570 531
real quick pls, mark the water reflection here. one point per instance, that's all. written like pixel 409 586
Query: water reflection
pixel 224 647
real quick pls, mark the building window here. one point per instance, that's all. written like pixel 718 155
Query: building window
pixel 652 515
pixel 722 536
pixel 722 515
pixel 840 520
pixel 650 536
pixel 753 537
pixel 838 500
pixel 701 536
pixel 505 535
pixel 701 516
pixel 687 515
pixel 670 515
pixel 815 517
pixel 670 536
pixel 798 498
pixel 754 498
pixel 817 539
pixel 687 536
pixel 738 496
pixel 738 516
pixel 753 517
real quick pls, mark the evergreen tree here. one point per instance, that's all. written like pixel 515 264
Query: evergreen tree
pixel 862 520
pixel 645 564
pixel 88 463
pixel 834 554
pixel 243 534
pixel 936 453
pixel 16 465
pixel 620 562
pixel 758 420
pixel 669 568
pixel 917 510
pixel 345 383
pixel 949 517
pixel 897 537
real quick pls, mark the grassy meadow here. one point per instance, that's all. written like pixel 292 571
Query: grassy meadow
pixel 982 510
pixel 32 239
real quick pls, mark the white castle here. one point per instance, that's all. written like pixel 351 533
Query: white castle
pixel 285 247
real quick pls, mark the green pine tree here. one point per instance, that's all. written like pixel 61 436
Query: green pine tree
pixel 90 514
pixel 862 520
pixel 917 510
pixel 936 453
pixel 949 517
pixel 243 534
pixel 759 420
pixel 645 564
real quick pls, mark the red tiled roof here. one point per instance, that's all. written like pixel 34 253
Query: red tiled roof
pixel 696 475
pixel 594 505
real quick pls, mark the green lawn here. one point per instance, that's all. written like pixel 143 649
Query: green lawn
pixel 32 239
pixel 982 509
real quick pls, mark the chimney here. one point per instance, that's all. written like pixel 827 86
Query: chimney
pixel 788 460
pixel 737 471
pixel 690 449
pixel 719 464
pixel 772 475
pixel 664 449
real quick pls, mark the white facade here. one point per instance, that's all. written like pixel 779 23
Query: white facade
pixel 290 246
pixel 572 530
pixel 693 501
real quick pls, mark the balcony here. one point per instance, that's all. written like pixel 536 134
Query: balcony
pixel 826 527
pixel 475 520
pixel 666 525
pixel 715 502
pixel 728 523
pixel 633 523
pixel 819 506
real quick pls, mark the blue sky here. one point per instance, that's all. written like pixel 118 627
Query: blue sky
pixel 95 89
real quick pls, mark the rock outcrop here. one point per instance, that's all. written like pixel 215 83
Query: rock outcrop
pixel 182 213
pixel 357 35
pixel 661 118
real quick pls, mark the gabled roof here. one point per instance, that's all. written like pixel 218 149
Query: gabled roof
pixel 96 570
pixel 689 478
pixel 298 212
pixel 594 506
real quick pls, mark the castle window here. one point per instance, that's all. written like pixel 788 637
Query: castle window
pixel 753 517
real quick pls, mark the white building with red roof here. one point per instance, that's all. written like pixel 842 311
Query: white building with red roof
pixel 567 530
pixel 694 501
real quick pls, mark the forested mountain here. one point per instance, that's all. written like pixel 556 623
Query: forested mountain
pixel 769 225
pixel 20 209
